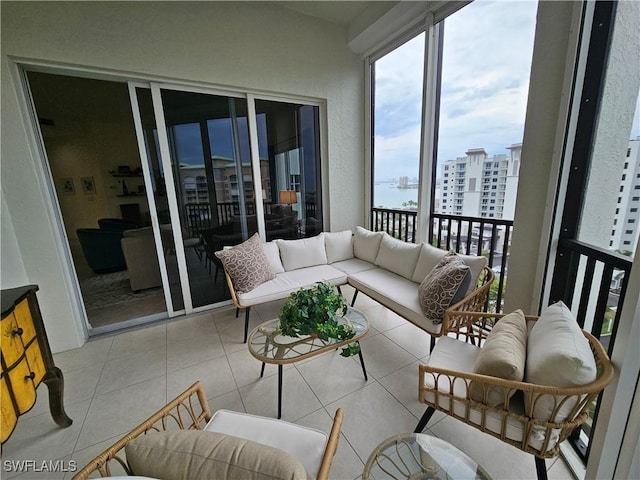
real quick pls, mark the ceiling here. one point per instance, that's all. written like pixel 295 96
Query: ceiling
pixel 339 12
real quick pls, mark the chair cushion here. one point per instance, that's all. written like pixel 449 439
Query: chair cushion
pixel 246 264
pixel 558 355
pixel 503 355
pixel 305 252
pixel 442 285
pixel 366 244
pixel 339 245
pixel 397 256
pixel 303 443
pixel 272 252
pixel 204 454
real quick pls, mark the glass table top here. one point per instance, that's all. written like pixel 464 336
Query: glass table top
pixel 418 456
pixel 268 345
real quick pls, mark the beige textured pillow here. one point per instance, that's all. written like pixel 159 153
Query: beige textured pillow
pixel 503 355
pixel 190 454
pixel 440 287
pixel 246 264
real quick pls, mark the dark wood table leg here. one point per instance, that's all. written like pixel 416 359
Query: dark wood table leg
pixel 55 383
pixel 364 370
pixel 280 391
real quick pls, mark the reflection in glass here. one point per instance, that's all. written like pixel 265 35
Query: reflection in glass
pixel 289 150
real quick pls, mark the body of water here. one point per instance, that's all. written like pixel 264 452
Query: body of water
pixel 388 195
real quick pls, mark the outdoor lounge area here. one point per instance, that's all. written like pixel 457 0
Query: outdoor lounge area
pixel 220 120
pixel 114 383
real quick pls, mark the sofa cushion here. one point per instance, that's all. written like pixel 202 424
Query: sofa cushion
pixel 397 256
pixel 502 355
pixel 559 355
pixel 442 285
pixel 395 292
pixel 339 245
pixel 305 252
pixel 246 264
pixel 272 252
pixel 353 265
pixel 288 282
pixel 304 443
pixel 366 244
pixel 203 454
pixel 429 257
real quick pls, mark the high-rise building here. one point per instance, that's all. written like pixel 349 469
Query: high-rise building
pixel 481 186
pixel 624 231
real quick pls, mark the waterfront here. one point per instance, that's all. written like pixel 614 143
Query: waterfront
pixel 388 195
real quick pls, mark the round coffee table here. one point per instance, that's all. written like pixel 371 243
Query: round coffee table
pixel 418 456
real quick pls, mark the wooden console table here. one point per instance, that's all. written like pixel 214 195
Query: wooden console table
pixel 26 361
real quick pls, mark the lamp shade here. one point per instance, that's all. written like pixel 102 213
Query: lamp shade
pixel 287 196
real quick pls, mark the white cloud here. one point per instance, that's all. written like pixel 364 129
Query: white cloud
pixel 486 67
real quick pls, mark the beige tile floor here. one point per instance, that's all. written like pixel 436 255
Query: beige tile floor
pixel 115 382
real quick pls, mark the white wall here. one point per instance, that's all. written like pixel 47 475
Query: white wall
pixel 246 45
pixel 12 269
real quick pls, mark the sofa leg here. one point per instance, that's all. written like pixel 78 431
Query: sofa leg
pixel 433 344
pixel 353 300
pixel 247 312
pixel 237 312
pixel 339 289
pixel 541 468
pixel 426 416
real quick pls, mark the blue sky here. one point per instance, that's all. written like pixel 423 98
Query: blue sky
pixel 485 81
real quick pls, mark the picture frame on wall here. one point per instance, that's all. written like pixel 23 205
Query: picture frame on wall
pixel 68 188
pixel 88 185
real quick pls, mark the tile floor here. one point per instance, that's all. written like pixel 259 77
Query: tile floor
pixel 115 382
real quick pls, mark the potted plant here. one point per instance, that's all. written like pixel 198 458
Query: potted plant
pixel 313 312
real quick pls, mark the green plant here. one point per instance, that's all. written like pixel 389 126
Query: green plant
pixel 313 312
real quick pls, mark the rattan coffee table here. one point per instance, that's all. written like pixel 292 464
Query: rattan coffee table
pixel 418 456
pixel 268 345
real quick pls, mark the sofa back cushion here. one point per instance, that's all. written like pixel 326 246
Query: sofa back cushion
pixel 202 454
pixel 397 256
pixel 302 253
pixel 272 252
pixel 366 244
pixel 429 257
pixel 558 355
pixel 503 355
pixel 339 245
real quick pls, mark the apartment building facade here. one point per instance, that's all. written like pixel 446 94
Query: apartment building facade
pixel 624 231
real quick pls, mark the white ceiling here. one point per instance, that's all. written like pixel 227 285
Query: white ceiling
pixel 339 12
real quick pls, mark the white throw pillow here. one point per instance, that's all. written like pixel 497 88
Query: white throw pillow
pixel 429 257
pixel 339 245
pixel 366 244
pixel 272 252
pixel 397 256
pixel 558 355
pixel 305 252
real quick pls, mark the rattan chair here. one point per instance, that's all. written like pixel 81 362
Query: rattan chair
pixel 190 411
pixel 513 422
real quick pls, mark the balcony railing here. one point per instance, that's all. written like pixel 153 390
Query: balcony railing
pixel 467 235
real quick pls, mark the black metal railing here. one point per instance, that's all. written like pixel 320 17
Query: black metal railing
pixel 468 235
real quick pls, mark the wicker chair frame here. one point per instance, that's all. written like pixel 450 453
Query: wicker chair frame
pixel 188 411
pixel 476 414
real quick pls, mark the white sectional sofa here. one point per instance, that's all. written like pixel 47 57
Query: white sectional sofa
pixel 384 268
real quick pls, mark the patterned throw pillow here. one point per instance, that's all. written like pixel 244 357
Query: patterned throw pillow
pixel 443 286
pixel 246 264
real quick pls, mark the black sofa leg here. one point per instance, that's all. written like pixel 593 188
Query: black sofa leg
pixel 339 289
pixel 353 300
pixel 426 416
pixel 541 468
pixel 433 344
pixel 247 311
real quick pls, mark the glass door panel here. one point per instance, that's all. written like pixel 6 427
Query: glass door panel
pixel 213 180
pixel 289 151
pixel 158 186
